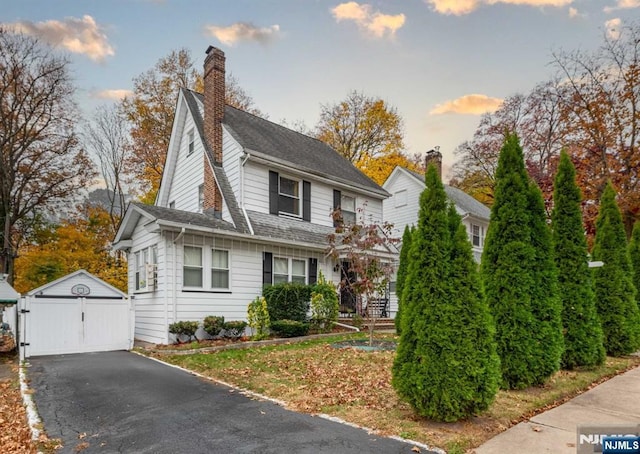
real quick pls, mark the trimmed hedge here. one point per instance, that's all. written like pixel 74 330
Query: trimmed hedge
pixel 213 325
pixel 234 329
pixel 289 328
pixel 287 301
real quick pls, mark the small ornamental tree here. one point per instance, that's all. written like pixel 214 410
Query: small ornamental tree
pixel 402 273
pixel 369 250
pixel 634 255
pixel 446 365
pixel 258 318
pixel 615 293
pixel 546 305
pixel 581 324
pixel 513 269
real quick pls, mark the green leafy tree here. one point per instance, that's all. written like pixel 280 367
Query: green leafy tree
pixel 402 273
pixel 615 293
pixel 634 255
pixel 446 366
pixel 514 256
pixel 581 324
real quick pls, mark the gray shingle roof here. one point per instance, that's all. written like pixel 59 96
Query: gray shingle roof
pixel 285 229
pixel 463 200
pixel 221 177
pixel 300 151
pixel 185 217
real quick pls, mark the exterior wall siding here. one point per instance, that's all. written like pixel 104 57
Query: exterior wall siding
pixel 189 171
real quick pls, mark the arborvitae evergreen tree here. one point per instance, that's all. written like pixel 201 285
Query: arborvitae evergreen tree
pixel 581 324
pixel 615 293
pixel 512 264
pixel 546 305
pixel 446 365
pixel 402 273
pixel 634 255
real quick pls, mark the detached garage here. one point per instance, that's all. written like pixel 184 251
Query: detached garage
pixel 77 313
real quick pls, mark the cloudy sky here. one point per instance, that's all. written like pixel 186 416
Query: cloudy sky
pixel 441 63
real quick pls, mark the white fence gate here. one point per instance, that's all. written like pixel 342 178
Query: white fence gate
pixel 92 316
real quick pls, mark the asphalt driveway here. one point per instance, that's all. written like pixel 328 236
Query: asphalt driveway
pixel 122 402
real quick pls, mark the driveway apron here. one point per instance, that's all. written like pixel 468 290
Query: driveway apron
pixel 125 403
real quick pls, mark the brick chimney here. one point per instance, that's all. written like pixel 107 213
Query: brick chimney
pixel 434 157
pixel 214 91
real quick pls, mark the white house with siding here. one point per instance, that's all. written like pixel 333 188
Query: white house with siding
pixel 243 202
pixel 401 208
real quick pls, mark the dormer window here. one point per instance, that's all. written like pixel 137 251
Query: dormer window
pixel 191 140
pixel 289 196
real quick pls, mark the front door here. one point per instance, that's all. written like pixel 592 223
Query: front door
pixel 347 295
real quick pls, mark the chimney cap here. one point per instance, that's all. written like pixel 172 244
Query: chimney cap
pixel 214 49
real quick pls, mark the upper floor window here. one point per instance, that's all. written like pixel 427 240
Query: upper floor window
pixel 201 198
pixel 192 267
pixel 146 268
pixel 400 198
pixel 172 204
pixel 476 235
pixel 219 269
pixel 191 139
pixel 348 209
pixel 289 196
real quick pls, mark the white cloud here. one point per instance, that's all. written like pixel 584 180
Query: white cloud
pixel 612 28
pixel 473 104
pixel 460 7
pixel 114 95
pixel 80 36
pixel 573 13
pixel 376 23
pixel 243 31
pixel 623 4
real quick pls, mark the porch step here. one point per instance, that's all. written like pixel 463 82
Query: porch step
pixel 381 324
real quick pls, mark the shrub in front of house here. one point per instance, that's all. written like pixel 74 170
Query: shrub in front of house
pixel 324 305
pixel 258 318
pixel 289 328
pixel 184 328
pixel 213 325
pixel 287 301
pixel 234 329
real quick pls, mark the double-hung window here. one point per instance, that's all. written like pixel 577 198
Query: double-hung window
pixel 219 269
pixel 201 198
pixel 476 238
pixel 289 196
pixel 348 209
pixel 191 139
pixel 192 267
pixel 289 270
pixel 145 266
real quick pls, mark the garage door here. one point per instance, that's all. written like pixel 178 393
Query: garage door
pixel 80 325
pixel 76 314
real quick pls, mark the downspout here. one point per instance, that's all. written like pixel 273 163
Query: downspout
pixel 175 286
pixel 244 211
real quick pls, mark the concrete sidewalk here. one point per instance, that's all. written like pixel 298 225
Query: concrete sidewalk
pixel 616 401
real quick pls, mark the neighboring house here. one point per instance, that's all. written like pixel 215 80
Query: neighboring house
pixel 243 203
pixel 401 208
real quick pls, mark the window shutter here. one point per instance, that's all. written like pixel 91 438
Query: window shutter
pixel 273 192
pixel 306 201
pixel 337 197
pixel 313 271
pixel 267 268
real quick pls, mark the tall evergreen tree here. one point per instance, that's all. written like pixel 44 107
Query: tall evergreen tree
pixel 402 273
pixel 446 366
pixel 615 293
pixel 634 255
pixel 512 267
pixel 581 324
pixel 546 305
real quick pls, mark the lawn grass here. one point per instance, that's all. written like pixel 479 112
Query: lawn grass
pixel 355 385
